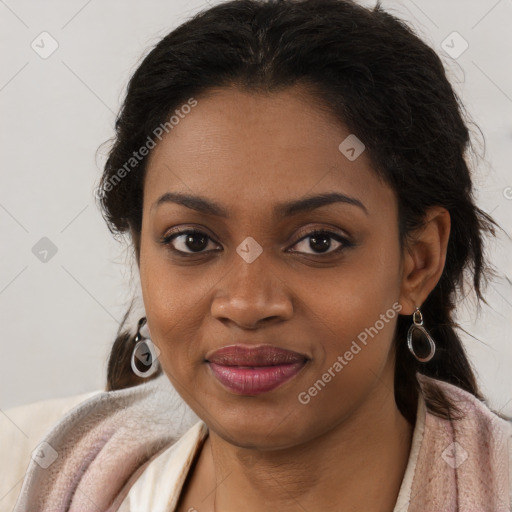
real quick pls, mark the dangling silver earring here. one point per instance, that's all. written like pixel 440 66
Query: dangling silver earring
pixel 145 353
pixel 417 325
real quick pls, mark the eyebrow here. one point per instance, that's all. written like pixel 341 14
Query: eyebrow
pixel 287 209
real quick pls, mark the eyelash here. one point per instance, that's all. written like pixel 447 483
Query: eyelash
pixel 167 239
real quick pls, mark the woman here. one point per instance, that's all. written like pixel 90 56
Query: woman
pixel 292 175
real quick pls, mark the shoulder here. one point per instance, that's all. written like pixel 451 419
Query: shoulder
pixel 474 411
pixel 481 439
pixel 21 430
pixel 104 441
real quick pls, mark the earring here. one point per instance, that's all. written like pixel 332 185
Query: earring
pixel 145 354
pixel 416 330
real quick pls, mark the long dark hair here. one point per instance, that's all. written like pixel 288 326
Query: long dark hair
pixel 379 79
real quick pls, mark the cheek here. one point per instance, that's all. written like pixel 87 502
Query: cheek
pixel 172 303
pixel 354 295
pixel 354 335
pixel 354 309
pixel 353 331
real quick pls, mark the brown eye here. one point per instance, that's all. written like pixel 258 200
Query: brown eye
pixel 188 241
pixel 320 242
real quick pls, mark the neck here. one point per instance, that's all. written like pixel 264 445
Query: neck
pixel 357 465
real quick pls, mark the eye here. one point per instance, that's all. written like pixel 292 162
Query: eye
pixel 193 241
pixel 188 241
pixel 320 241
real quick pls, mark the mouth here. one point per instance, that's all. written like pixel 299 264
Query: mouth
pixel 247 370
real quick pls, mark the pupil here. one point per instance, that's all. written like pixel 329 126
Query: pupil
pixel 320 241
pixel 198 247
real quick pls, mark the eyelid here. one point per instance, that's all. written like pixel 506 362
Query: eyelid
pixel 305 232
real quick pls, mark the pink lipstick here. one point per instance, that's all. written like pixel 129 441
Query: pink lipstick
pixel 246 370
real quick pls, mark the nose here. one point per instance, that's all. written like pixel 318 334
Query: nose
pixel 252 294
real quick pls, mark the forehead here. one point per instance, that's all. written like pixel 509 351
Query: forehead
pixel 249 148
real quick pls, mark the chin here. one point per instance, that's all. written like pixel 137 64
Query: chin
pixel 263 429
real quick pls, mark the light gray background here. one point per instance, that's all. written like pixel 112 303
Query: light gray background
pixel 59 318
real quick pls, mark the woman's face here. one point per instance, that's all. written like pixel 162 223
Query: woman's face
pixel 257 275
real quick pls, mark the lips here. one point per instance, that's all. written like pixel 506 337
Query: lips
pixel 264 355
pixel 248 370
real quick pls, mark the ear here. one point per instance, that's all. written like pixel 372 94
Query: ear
pixel 423 259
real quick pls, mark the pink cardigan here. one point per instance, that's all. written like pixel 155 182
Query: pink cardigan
pixel 119 450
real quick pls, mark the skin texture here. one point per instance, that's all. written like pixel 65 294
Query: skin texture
pixel 346 449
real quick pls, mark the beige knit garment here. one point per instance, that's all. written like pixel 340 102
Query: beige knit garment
pixel 460 468
pixel 108 445
pixel 464 465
